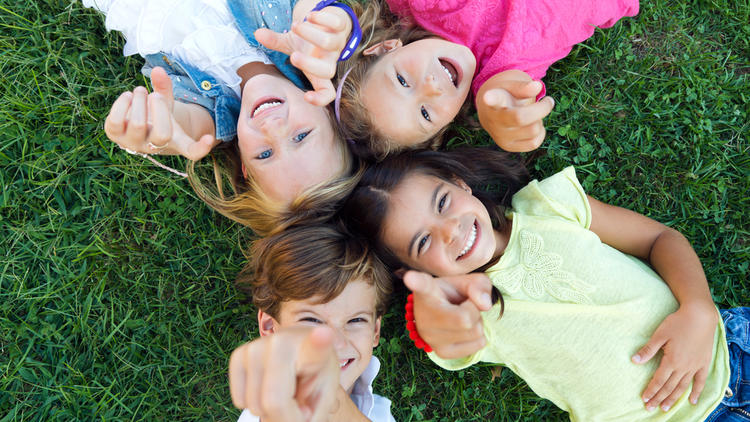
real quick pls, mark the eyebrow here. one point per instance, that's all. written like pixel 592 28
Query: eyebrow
pixel 412 244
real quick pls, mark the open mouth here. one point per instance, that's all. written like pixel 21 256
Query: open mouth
pixel 471 241
pixel 451 71
pixel 266 104
pixel 343 364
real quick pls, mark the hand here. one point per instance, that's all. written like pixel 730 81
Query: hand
pixel 687 339
pixel 291 375
pixel 146 123
pixel 314 47
pixel 447 311
pixel 509 112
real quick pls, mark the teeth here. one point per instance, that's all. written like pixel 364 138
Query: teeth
pixel 264 106
pixel 448 72
pixel 343 363
pixel 469 241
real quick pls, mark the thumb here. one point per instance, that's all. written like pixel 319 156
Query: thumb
pixel 162 84
pixel 498 98
pixel 198 150
pixel 523 89
pixel 420 283
pixel 273 40
pixel 648 351
pixel 479 290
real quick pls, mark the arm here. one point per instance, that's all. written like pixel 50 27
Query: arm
pixel 686 336
pixel 156 124
pixel 508 110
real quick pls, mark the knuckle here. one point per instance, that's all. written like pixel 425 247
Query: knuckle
pixel 137 126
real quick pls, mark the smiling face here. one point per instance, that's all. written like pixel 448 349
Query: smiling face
pixel 287 144
pixel 415 90
pixel 352 317
pixel 439 227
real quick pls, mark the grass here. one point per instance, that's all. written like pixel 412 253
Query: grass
pixel 116 296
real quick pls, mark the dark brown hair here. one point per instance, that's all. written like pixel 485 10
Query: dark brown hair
pixel 493 176
pixel 308 261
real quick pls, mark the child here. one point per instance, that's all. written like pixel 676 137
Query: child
pixel 313 276
pixel 408 85
pixel 578 301
pixel 205 53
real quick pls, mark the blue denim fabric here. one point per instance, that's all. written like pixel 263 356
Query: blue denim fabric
pixel 191 85
pixel 736 403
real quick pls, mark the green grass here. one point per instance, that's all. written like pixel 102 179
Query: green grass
pixel 116 296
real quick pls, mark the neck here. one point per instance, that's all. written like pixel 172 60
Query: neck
pixel 249 70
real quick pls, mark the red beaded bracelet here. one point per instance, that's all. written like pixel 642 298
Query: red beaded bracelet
pixel 411 326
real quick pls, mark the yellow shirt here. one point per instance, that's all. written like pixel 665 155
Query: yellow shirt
pixel 576 310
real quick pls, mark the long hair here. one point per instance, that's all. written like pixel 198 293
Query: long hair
pixel 355 122
pixel 493 176
pixel 242 200
pixel 311 261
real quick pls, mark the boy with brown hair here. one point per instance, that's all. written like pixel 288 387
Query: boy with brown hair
pixel 320 295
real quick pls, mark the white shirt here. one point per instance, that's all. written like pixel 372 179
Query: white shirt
pixel 375 407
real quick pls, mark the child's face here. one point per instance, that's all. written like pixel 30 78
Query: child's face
pixel 286 143
pixel 351 315
pixel 438 227
pixel 415 90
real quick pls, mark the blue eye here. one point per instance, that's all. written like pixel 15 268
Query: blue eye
pixel 441 204
pixel 402 81
pixel 265 154
pixel 355 320
pixel 301 136
pixel 425 114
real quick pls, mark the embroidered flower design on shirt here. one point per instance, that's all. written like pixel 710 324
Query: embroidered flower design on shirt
pixel 539 272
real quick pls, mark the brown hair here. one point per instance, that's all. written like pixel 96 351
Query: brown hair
pixel 355 122
pixel 312 260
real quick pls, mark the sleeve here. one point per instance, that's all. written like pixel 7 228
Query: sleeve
pixel 559 196
pixel 381 410
pixel 246 416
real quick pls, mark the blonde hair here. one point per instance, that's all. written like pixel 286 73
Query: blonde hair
pixel 355 122
pixel 311 261
pixel 242 199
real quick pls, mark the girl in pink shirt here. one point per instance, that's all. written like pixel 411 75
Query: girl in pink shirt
pixel 409 83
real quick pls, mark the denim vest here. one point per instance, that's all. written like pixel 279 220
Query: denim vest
pixel 191 85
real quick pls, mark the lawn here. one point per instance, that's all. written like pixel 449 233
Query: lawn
pixel 116 293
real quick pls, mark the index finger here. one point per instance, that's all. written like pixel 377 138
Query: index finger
pixel 475 286
pixel 524 115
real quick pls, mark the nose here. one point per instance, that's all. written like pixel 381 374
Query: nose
pixel 450 230
pixel 339 340
pixel 274 127
pixel 431 88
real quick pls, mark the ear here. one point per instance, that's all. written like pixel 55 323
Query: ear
pixel 382 47
pixel 461 184
pixel 266 324
pixel 376 334
pixel 244 171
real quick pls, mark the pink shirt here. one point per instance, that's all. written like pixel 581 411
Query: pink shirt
pixel 527 35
